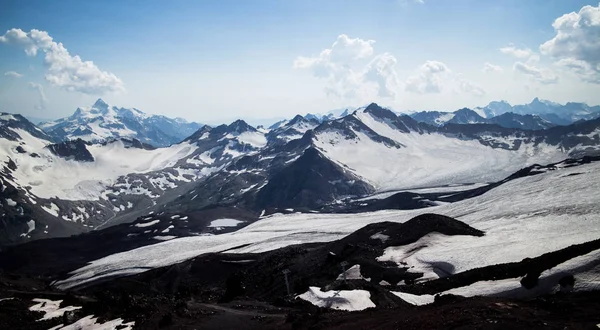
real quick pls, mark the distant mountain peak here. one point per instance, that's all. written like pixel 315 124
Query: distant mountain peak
pixel 100 104
pixel 297 119
pixel 102 122
pixel 380 112
pixel 240 126
pixel 372 106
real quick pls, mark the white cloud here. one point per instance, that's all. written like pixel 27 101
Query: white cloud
pixel 465 86
pixel 64 70
pixel 583 70
pixel 544 76
pixel 41 95
pixel 577 43
pixel 429 79
pixel 13 74
pixel 516 52
pixel 347 75
pixel 488 67
pixel 381 71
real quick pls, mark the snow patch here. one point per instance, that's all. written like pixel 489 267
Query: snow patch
pixel 224 223
pixel 91 323
pixel 50 308
pixel 52 209
pixel 147 224
pixel 348 300
pixel 30 228
pixel 413 299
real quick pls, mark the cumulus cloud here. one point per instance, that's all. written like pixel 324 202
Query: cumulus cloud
pixel 13 74
pixel 353 70
pixel 42 100
pixel 516 52
pixel 381 71
pixel 576 44
pixel 488 67
pixel 544 76
pixel 429 79
pixel 64 70
pixel 340 65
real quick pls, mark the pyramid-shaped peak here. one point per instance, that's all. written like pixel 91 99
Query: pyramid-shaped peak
pixel 372 106
pixel 240 126
pixel 297 119
pixel 378 111
pixel 100 104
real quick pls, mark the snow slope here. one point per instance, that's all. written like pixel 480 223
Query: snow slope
pixel 522 218
pixel 53 176
pixel 426 159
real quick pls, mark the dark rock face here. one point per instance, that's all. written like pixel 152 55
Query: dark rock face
pixel 310 181
pixel 72 150
pixel 132 143
pixel 466 116
pixel 528 122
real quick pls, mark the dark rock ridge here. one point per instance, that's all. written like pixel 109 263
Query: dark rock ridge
pixel 9 122
pixel 72 150
pixel 310 181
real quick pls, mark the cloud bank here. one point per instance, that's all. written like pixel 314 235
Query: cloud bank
pixel 352 70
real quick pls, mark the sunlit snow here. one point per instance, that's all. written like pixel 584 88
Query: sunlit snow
pixel 566 211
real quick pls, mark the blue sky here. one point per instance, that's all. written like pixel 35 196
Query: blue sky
pixel 214 61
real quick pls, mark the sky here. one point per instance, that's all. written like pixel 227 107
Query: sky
pixel 216 61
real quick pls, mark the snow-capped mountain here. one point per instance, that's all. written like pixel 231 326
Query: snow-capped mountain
pixel 11 122
pixel 437 118
pixel 539 114
pixel 78 186
pixel 102 122
pixel 373 151
pixel 494 108
pixel 468 116
pixel 292 129
pixel 553 112
pixel 330 115
pixel 84 185
pixel 513 120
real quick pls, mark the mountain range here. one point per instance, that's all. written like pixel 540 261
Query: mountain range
pixel 368 209
pixel 539 114
pixel 102 122
pixel 82 183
